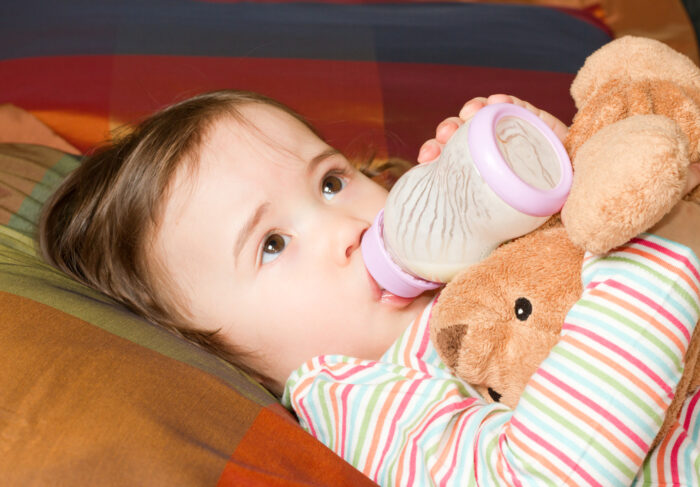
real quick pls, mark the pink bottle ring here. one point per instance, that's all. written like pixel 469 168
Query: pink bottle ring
pixel 496 172
pixel 384 270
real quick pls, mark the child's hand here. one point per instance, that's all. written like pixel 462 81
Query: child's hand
pixel 693 177
pixel 431 149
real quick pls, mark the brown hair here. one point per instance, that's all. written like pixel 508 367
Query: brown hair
pixel 96 225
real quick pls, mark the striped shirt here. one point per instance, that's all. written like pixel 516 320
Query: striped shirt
pixel 586 417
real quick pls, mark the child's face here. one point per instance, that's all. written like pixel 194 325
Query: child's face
pixel 263 240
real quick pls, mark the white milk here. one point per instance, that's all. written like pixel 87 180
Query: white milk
pixel 442 217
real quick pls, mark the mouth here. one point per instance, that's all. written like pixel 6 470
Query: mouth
pixel 385 297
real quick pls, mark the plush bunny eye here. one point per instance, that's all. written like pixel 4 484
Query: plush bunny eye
pixel 523 308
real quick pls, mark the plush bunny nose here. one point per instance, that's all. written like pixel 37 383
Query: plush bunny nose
pixel 449 341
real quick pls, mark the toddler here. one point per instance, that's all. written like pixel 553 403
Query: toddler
pixel 227 219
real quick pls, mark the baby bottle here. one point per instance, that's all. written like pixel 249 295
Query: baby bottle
pixel 500 176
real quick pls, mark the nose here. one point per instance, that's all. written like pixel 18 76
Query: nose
pixel 346 238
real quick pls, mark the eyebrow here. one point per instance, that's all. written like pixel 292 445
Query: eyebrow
pixel 318 159
pixel 248 227
pixel 259 212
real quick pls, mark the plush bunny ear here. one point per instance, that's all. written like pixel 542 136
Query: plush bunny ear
pixel 633 59
pixel 628 176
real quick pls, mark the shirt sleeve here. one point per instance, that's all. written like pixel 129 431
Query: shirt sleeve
pixel 587 416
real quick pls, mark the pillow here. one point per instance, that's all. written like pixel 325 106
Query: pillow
pixel 94 395
pixel 17 125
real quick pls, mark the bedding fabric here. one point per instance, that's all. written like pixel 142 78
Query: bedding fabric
pixel 378 75
pixel 92 395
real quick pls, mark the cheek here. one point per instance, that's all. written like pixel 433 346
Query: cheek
pixel 371 197
pixel 316 301
pixel 377 196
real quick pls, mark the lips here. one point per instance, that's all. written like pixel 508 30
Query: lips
pixel 386 297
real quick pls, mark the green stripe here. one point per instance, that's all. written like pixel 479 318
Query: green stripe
pixel 400 346
pixel 526 463
pixel 368 412
pixel 676 287
pixel 322 394
pixel 579 433
pixel 581 362
pixel 646 469
pixel 488 454
pixel 641 330
pixel 26 217
pixel 419 417
pixel 586 267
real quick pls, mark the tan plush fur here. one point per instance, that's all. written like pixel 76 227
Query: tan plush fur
pixel 630 176
pixel 476 328
pixel 636 132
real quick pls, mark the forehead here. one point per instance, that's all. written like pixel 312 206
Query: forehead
pixel 258 132
pixel 237 148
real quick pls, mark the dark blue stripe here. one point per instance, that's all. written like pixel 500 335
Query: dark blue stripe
pixel 509 36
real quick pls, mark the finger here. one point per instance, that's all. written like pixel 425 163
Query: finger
pixel 556 125
pixel 446 128
pixel 429 151
pixel 471 107
pixel 693 179
pixel 501 98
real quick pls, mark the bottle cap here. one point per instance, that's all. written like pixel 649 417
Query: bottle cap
pixel 384 270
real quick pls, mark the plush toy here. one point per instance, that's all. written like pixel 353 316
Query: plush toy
pixel 631 141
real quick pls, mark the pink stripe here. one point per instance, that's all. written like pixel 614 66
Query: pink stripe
pixel 310 423
pixel 445 410
pixel 514 477
pixel 358 368
pixel 553 450
pixel 690 411
pixel 655 306
pixel 407 396
pixel 670 253
pixel 674 460
pixel 602 412
pixel 344 401
pixel 455 449
pixel 423 346
pixel 624 354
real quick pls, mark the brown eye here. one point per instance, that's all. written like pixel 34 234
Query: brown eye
pixel 331 186
pixel 273 246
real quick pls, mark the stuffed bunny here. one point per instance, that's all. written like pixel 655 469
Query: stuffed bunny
pixel 636 132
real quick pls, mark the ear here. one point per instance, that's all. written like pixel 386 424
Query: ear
pixel 632 59
pixel 628 175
